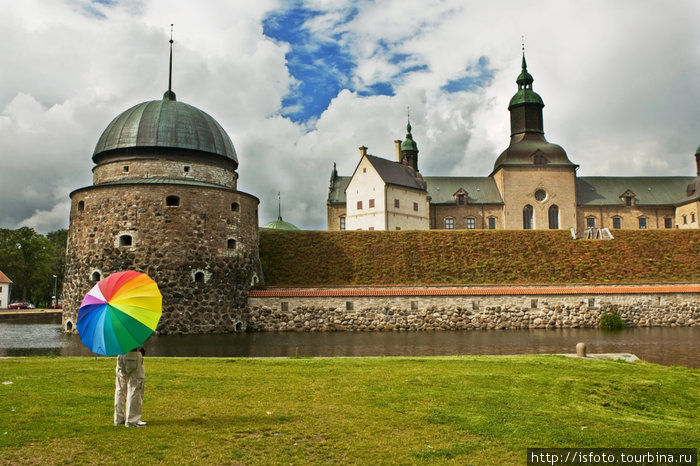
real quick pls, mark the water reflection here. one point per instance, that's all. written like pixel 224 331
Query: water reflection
pixel 670 346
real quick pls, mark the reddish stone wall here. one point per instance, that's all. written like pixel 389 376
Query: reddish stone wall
pixel 172 244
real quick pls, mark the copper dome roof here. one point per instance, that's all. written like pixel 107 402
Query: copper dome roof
pixel 166 123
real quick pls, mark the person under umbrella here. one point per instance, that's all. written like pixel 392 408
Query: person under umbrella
pixel 116 316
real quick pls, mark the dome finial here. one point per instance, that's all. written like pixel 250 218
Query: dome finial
pixel 279 206
pixel 169 94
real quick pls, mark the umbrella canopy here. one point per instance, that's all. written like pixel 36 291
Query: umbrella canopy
pixel 119 313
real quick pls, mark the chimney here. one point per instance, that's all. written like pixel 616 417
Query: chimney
pixel 398 150
pixel 363 151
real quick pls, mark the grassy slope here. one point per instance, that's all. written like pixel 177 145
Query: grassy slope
pixel 470 410
pixel 313 258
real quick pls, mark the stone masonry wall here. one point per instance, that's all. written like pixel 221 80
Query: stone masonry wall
pixel 320 314
pixel 203 253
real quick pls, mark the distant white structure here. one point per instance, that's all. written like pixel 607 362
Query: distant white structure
pixel 4 290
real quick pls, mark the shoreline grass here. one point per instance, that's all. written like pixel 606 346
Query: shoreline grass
pixel 406 410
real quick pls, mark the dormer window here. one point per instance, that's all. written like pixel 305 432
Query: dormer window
pixel 461 197
pixel 538 158
pixel 628 198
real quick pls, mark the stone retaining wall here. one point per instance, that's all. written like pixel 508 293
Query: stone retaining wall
pixel 417 313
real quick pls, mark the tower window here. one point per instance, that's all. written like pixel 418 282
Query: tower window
pixel 199 277
pixel 527 217
pixel 396 203
pixel 231 243
pixel 235 207
pixel 172 201
pixel 342 223
pixel 125 240
pixel 96 276
pixel 81 206
pixel 540 195
pixel 538 159
pixel 415 206
pixel 554 217
pixel 186 168
pixel 125 168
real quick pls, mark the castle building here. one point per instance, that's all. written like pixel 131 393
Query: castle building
pixel 164 201
pixel 533 185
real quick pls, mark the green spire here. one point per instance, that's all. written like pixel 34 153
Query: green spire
pixel 280 224
pixel 169 94
pixel 525 94
pixel 409 143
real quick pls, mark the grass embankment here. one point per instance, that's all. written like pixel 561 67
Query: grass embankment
pixel 317 258
pixel 470 410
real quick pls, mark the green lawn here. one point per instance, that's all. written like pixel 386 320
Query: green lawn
pixel 461 410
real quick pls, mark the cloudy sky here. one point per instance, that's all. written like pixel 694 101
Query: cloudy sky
pixel 299 85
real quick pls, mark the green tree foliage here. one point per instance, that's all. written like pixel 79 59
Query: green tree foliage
pixel 31 260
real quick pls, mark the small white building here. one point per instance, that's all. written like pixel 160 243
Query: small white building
pixel 386 195
pixel 4 290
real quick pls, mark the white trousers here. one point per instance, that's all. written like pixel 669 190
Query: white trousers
pixel 128 395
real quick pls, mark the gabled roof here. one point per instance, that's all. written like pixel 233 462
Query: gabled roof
pixel 480 190
pixel 3 278
pixel 648 190
pixel 396 173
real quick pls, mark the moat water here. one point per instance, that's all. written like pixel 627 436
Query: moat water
pixel 661 345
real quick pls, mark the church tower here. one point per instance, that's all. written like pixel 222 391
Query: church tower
pixel 536 179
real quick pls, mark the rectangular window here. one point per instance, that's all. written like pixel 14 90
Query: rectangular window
pixel 415 206
pixel 692 218
pixel 460 199
pixel 449 223
pixel 492 223
pixel 668 222
pixel 685 220
pixel 590 222
pixel 285 306
pixel 371 203
pixel 371 228
pixel 642 223
pixel 342 223
pixel 617 223
pixel 471 223
pixel 359 205
pixel 398 228
pixel 396 203
pixel 628 200
pixel 349 306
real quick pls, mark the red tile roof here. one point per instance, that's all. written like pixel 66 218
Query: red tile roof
pixel 521 290
pixel 3 278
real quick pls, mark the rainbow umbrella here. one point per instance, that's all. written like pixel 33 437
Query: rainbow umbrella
pixel 119 313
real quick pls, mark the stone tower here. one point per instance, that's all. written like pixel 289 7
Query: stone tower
pixel 535 178
pixel 164 201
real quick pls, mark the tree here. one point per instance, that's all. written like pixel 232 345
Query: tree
pixel 30 260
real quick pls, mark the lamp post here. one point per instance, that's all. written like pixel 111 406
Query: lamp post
pixel 55 283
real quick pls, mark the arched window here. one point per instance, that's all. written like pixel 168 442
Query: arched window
pixel 527 217
pixel 96 276
pixel 125 240
pixel 199 277
pixel 231 243
pixel 235 206
pixel 81 206
pixel 172 201
pixel 554 217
